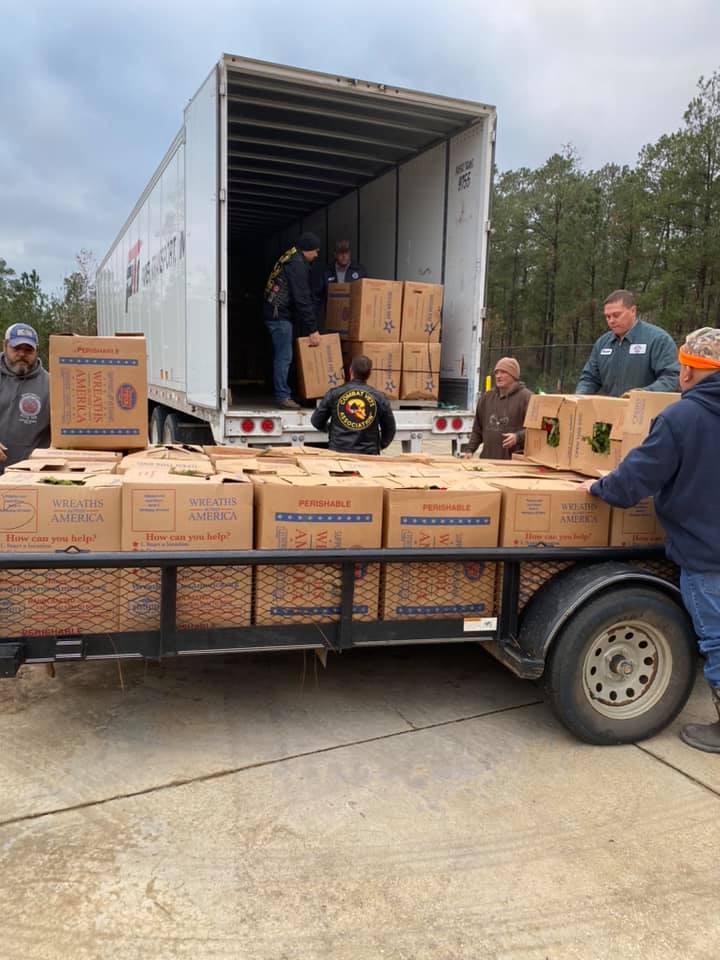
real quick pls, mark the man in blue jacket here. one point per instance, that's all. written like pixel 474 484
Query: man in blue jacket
pixel 632 355
pixel 679 465
pixel 343 269
pixel 289 303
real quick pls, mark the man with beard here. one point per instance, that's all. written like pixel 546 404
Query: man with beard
pixel 361 418
pixel 24 396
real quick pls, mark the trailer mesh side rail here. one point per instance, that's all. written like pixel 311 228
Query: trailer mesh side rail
pixel 73 606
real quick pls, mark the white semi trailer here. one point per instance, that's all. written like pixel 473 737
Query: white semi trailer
pixel 264 153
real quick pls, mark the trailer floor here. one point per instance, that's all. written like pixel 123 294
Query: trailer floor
pixel 415 803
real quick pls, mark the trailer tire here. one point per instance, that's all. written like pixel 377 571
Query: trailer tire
pixel 623 667
pixel 172 431
pixel 157 422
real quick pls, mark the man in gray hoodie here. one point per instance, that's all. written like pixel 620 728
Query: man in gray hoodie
pixel 24 396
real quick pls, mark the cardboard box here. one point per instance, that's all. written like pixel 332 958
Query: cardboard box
pixel 250 466
pixel 555 513
pixel 48 514
pixel 421 517
pixel 162 512
pixel 168 458
pixel 56 465
pixel 595 414
pixel 85 456
pixel 637 526
pixel 312 513
pixel 375 310
pixel 420 379
pixel 386 364
pixel 642 408
pixel 421 312
pixel 337 308
pixel 319 368
pixel 550 430
pixel 98 392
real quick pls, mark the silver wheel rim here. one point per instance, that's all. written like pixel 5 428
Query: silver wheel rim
pixel 627 669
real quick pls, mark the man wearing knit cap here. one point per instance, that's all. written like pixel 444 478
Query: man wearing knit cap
pixel 500 414
pixel 632 355
pixel 679 465
pixel 289 303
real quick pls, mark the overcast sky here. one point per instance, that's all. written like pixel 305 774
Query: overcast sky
pixel 91 95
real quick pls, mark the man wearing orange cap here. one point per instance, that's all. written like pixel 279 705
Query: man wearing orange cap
pixel 500 414
pixel 679 465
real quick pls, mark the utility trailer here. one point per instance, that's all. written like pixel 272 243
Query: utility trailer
pixel 266 152
pixel 604 628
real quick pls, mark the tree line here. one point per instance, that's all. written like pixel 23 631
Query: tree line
pixel 73 310
pixel 565 237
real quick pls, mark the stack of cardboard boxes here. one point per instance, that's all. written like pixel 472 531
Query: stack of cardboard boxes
pixel 396 324
pixel 591 435
pixel 188 498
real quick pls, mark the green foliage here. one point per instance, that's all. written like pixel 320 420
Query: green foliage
pixel 551 426
pixel 22 299
pixel 600 439
pixel 564 238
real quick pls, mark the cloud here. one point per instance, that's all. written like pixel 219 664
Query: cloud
pixel 92 95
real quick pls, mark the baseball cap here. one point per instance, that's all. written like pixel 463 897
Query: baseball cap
pixel 18 333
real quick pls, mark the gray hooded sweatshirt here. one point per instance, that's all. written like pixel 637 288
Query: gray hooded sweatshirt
pixel 24 411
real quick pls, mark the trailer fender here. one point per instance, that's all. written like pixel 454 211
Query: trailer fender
pixel 561 598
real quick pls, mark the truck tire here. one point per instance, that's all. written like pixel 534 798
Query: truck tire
pixel 157 422
pixel 623 667
pixel 172 431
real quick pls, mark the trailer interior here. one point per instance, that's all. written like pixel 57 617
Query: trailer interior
pixel 298 156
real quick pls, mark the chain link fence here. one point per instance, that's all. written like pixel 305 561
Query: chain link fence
pixel 551 368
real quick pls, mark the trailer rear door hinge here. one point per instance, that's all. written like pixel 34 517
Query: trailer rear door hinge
pixel 488 226
pixel 222 195
pixel 222 89
pixel 221 297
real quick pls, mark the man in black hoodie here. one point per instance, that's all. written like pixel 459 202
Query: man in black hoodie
pixel 289 303
pixel 24 396
pixel 679 464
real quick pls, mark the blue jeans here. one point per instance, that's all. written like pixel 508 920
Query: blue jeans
pixel 281 333
pixel 701 596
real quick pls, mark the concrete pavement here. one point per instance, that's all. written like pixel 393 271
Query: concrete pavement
pixel 415 803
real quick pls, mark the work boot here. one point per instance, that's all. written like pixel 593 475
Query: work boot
pixel 288 404
pixel 704 736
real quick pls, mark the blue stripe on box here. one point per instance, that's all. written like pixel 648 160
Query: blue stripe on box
pixel 96 432
pixel 314 611
pixel 443 608
pixel 99 361
pixel 444 521
pixel 324 517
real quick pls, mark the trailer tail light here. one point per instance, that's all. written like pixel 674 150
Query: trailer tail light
pixel 247 426
pixel 452 425
pixel 267 426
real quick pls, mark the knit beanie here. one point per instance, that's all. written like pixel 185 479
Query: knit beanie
pixel 508 365
pixel 308 241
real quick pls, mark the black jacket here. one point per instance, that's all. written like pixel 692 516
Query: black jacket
pixel 678 464
pixel 288 293
pixel 361 419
